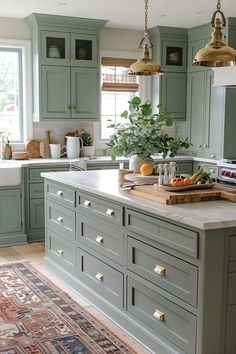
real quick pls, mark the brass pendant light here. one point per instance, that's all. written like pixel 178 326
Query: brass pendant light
pixel 216 53
pixel 145 65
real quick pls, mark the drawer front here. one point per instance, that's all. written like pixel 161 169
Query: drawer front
pixel 100 277
pixel 177 238
pixel 61 219
pixel 101 238
pixel 168 272
pixel 108 210
pixel 60 250
pixel 36 190
pixel 35 173
pixel 162 315
pixel 61 194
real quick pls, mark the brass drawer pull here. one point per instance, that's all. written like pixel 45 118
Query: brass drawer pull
pixel 87 203
pixel 60 252
pixel 160 316
pixel 99 239
pixel 60 193
pixel 110 212
pixel 60 219
pixel 99 276
pixel 160 270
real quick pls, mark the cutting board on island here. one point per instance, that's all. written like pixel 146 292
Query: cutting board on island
pixel 155 193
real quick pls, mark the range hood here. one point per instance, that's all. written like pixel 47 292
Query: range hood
pixel 225 76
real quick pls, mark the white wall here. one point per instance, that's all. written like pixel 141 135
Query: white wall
pixel 14 28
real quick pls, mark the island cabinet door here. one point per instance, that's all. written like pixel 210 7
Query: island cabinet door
pixel 10 211
pixel 171 321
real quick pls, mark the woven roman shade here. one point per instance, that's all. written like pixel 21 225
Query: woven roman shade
pixel 115 75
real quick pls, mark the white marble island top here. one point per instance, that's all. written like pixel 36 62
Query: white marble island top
pixel 202 215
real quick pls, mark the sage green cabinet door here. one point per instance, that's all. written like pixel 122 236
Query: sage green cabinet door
pixel 55 48
pixel 173 94
pixel 10 211
pixel 84 49
pixel 36 214
pixel 55 91
pixel 196 110
pixel 84 88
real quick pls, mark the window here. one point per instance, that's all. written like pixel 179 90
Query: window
pixel 117 89
pixel 15 88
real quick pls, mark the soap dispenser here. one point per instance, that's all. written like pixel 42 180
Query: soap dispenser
pixel 8 151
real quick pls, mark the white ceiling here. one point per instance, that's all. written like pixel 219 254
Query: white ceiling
pixel 124 13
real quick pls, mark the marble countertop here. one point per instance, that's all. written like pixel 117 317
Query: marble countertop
pixel 202 215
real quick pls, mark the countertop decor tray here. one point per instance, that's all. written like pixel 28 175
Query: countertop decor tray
pixel 169 188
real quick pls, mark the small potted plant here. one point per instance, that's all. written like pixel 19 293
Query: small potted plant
pixel 88 147
pixel 143 134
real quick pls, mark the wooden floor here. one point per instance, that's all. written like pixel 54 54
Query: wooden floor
pixel 34 252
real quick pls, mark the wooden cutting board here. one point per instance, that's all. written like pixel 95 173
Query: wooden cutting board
pixel 153 192
pixel 32 147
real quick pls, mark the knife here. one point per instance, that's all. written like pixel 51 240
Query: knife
pixel 129 186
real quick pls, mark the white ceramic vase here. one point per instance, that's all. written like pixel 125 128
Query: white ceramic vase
pixel 88 151
pixel 136 162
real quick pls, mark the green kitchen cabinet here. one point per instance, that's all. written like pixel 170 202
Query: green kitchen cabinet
pixel 210 110
pixel 66 91
pixel 66 67
pixel 34 200
pixel 12 226
pixel 170 51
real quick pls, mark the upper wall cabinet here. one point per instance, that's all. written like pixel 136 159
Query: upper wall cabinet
pixel 62 47
pixel 170 50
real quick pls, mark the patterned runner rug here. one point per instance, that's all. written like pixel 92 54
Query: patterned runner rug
pixel 37 317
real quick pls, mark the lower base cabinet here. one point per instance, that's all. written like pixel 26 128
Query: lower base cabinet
pixel 168 285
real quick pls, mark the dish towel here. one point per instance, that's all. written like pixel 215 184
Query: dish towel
pixel 78 165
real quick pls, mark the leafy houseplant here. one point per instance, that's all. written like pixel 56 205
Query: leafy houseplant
pixel 88 147
pixel 143 132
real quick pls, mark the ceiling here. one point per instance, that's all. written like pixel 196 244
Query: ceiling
pixel 127 14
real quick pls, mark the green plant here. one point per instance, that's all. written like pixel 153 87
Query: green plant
pixel 87 138
pixel 143 132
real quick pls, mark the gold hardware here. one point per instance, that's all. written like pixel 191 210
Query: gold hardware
pixel 99 276
pixel 199 145
pixel 60 252
pixel 60 219
pixel 145 65
pixel 99 239
pixel 110 212
pixel 73 108
pixel 213 156
pixel 60 193
pixel 216 53
pixel 205 146
pixel 160 316
pixel 160 270
pixel 212 171
pixel 87 203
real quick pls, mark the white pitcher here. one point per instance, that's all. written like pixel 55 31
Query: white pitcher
pixel 73 146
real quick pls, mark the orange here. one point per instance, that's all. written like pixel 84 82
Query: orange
pixel 146 169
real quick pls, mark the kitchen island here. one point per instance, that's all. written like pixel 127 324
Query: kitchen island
pixel 166 274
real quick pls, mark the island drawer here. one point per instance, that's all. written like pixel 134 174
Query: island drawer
pixel 170 273
pixel 61 194
pixel 162 315
pixel 175 237
pixel 60 250
pixel 61 219
pixel 108 210
pixel 36 190
pixel 105 280
pixel 35 173
pixel 105 239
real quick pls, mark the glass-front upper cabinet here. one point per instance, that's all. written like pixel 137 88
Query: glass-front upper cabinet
pixel 71 49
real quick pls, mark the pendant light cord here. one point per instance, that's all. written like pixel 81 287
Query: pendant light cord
pixel 146 16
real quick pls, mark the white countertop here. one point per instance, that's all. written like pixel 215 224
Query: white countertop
pixel 202 215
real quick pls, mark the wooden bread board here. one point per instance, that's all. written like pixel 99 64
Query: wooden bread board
pixel 153 192
pixel 32 147
pixel 19 155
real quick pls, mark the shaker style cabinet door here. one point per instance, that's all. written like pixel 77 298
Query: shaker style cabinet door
pixel 84 88
pixel 10 211
pixel 84 50
pixel 55 48
pixel 55 92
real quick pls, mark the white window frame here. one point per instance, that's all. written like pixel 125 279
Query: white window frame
pixel 25 46
pixel 144 91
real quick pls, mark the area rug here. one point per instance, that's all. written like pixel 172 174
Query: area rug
pixel 37 317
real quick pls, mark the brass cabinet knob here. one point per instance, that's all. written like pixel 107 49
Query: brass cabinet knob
pixel 99 276
pixel 213 156
pixel 60 219
pixel 199 145
pixel 60 193
pixel 87 203
pixel 158 315
pixel 205 146
pixel 99 239
pixel 60 252
pixel 160 270
pixel 110 212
